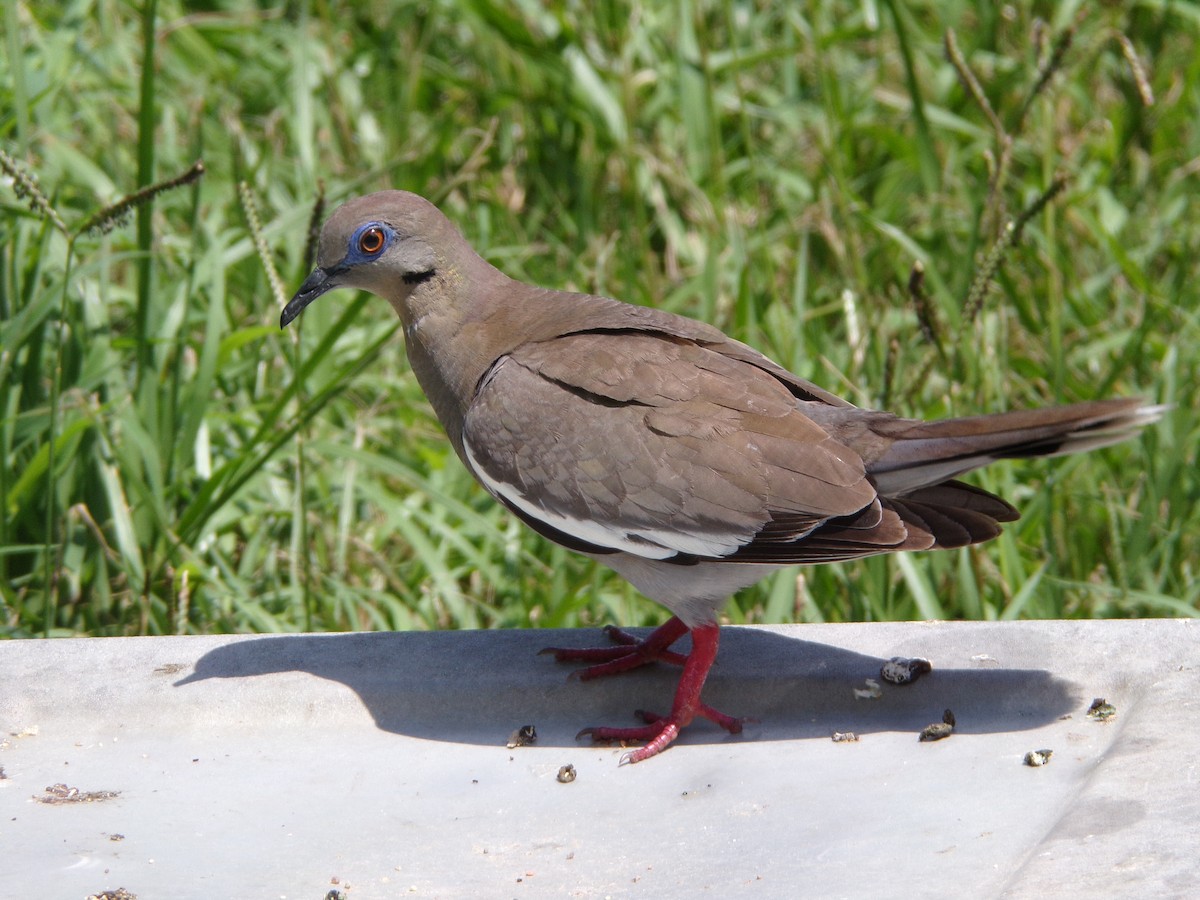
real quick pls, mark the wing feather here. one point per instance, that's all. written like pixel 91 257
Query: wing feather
pixel 657 447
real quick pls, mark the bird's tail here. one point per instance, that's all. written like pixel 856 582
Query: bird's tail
pixel 924 454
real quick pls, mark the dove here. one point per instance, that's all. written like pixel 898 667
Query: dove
pixel 688 462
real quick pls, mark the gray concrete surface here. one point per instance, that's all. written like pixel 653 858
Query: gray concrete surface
pixel 292 765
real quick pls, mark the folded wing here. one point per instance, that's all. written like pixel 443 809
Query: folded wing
pixel 622 441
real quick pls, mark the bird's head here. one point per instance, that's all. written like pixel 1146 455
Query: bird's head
pixel 386 243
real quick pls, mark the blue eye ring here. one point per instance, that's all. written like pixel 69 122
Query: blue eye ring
pixel 371 240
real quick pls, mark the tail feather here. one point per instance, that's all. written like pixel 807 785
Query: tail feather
pixel 923 454
pixel 920 505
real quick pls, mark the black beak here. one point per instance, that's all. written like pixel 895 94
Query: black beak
pixel 316 284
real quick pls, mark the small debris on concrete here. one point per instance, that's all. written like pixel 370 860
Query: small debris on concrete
pixel 566 774
pixel 871 692
pixel 119 894
pixel 1038 758
pixel 844 737
pixel 1101 710
pixel 522 737
pixel 938 730
pixel 57 794
pixel 899 670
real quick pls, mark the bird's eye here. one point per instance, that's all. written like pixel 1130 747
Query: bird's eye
pixel 371 241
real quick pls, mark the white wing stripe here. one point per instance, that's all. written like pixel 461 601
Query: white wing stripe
pixel 647 543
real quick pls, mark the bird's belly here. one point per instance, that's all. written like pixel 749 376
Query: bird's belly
pixel 695 593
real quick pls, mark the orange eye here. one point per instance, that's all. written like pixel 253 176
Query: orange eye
pixel 371 241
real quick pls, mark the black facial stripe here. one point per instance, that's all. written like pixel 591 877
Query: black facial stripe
pixel 418 277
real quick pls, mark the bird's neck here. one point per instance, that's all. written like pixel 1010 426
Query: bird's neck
pixel 458 324
pixel 446 366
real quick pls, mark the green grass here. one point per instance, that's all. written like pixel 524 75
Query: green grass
pixel 170 462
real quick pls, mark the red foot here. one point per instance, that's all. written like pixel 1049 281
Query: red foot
pixel 659 731
pixel 630 652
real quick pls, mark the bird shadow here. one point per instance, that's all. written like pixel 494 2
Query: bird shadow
pixel 477 687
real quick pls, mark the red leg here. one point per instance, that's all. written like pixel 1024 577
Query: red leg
pixel 661 731
pixel 629 653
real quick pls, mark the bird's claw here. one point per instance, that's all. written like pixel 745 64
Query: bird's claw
pixel 658 732
pixel 629 652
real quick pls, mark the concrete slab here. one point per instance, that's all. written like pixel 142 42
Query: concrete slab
pixel 375 764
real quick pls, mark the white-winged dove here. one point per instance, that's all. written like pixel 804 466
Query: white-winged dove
pixel 688 462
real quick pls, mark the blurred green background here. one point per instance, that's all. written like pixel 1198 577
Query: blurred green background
pixel 173 463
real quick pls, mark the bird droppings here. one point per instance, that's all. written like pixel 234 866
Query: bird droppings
pixel 938 730
pixel 871 692
pixel 566 774
pixel 899 670
pixel 522 737
pixel 1101 710
pixel 844 737
pixel 1038 758
pixel 57 794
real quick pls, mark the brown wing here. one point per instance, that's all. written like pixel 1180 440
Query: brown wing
pixel 660 447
